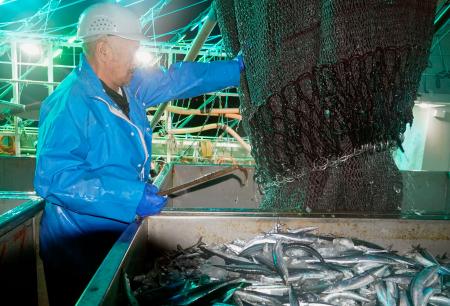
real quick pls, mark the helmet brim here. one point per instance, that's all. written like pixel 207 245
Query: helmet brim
pixel 131 36
pixel 134 36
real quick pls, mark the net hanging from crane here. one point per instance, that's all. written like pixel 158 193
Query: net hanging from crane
pixel 327 93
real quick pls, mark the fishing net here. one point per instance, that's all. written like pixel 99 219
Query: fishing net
pixel 327 93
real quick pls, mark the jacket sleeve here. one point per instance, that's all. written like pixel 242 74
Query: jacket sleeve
pixel 183 80
pixel 64 177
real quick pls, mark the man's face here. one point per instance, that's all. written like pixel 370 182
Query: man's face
pixel 122 60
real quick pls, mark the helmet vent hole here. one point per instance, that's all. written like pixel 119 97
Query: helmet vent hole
pixel 106 19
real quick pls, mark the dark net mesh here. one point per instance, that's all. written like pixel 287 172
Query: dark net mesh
pixel 326 95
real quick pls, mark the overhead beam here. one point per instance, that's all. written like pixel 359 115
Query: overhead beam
pixel 202 35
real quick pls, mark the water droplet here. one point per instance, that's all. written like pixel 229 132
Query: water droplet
pixel 397 189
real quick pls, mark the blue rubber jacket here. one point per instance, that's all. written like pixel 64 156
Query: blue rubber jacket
pixel 92 161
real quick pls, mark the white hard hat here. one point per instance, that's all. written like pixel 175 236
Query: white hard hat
pixel 109 19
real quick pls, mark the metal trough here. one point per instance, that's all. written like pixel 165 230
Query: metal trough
pixel 19 222
pixel 141 243
pixel 10 200
pixel 224 210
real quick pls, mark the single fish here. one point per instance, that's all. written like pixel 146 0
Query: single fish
pixel 346 295
pixel 294 237
pixel 300 303
pixel 444 270
pixel 306 296
pixel 417 257
pixel 295 253
pixel 256 297
pixel 409 270
pixel 278 290
pixel 234 248
pixel 399 259
pixel 296 276
pixel 344 271
pixel 347 243
pixel 279 262
pixel 439 300
pixel 427 255
pixel 392 293
pixel 306 248
pixel 381 294
pixel 228 257
pixel 255 245
pixel 258 243
pixel 302 230
pixel 246 268
pixel 328 251
pixel 367 244
pixel 404 299
pixel 358 281
pixel 433 280
pixel 417 285
pixel 293 299
pixel 355 259
pixel 265 259
pixel 401 279
pixel 190 296
pixel 427 294
pixel 229 294
pixel 239 242
pixel 365 266
pixel 368 292
pixel 237 300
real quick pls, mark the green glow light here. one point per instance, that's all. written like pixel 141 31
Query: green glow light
pixel 32 49
pixel 57 52
pixel 441 14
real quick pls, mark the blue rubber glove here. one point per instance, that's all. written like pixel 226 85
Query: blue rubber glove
pixel 240 59
pixel 151 203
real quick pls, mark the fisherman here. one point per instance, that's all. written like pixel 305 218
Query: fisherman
pixel 94 148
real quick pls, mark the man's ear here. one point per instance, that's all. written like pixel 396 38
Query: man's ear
pixel 103 50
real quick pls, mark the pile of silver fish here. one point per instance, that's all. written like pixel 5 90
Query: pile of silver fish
pixel 295 267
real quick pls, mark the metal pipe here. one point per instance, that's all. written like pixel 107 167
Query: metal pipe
pixel 202 35
pixel 213 111
pixel 232 113
pixel 213 126
pixel 29 111
pixel 188 119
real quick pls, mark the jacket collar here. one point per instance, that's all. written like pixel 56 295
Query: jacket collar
pixel 92 85
pixel 90 80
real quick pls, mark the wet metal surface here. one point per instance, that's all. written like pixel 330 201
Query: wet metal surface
pixel 18 238
pixel 184 228
pixel 234 190
pixel 168 230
